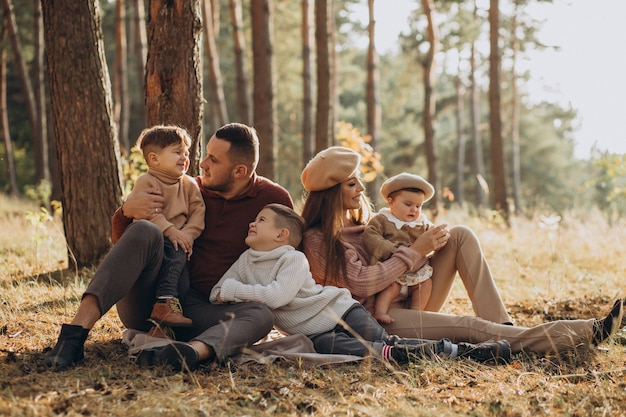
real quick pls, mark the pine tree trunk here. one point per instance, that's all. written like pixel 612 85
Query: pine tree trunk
pixel 308 143
pixel 429 107
pixel 243 99
pixel 174 70
pixel 495 123
pixel 479 164
pixel 120 81
pixel 83 122
pixel 218 100
pixel 4 118
pixel 264 99
pixel 515 119
pixel 323 117
pixel 39 92
pixel 460 135
pixel 42 172
pixel 140 47
pixel 371 95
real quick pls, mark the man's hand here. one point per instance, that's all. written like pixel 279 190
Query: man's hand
pixel 143 205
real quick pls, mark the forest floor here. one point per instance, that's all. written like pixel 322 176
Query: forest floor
pixel 546 270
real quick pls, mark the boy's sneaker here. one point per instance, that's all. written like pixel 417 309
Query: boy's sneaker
pixel 168 312
pixel 608 326
pixel 496 352
pixel 178 355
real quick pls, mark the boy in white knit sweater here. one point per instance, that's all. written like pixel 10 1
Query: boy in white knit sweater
pixel 273 272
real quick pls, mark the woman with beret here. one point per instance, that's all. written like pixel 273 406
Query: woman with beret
pixel 336 212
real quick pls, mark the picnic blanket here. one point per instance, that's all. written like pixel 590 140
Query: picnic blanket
pixel 294 348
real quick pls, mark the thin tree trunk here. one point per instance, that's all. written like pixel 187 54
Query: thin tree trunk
pixel 88 150
pixel 515 118
pixel 373 107
pixel 323 117
pixel 308 143
pixel 495 123
pixel 120 84
pixel 39 92
pixel 41 168
pixel 213 62
pixel 429 106
pixel 243 99
pixel 479 164
pixel 174 70
pixel 264 97
pixel 4 118
pixel 460 135
pixel 140 41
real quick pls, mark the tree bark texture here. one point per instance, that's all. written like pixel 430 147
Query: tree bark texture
pixel 83 122
pixel 308 143
pixel 140 41
pixel 264 97
pixel 4 118
pixel 495 122
pixel 429 106
pixel 121 100
pixel 218 101
pixel 323 117
pixel 239 44
pixel 41 168
pixel 371 93
pixel 39 91
pixel 174 70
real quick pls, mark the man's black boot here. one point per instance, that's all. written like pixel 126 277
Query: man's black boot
pixel 497 352
pixel 69 348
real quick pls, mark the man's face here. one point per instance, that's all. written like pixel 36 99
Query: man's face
pixel 217 166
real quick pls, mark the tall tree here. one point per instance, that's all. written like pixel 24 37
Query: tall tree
pixel 243 100
pixel 121 110
pixel 174 70
pixel 218 101
pixel 476 140
pixel 429 102
pixel 39 91
pixel 371 91
pixel 264 108
pixel 308 144
pixel 460 135
pixel 324 117
pixel 140 41
pixel 4 117
pixel 515 116
pixel 495 122
pixel 88 150
pixel 41 147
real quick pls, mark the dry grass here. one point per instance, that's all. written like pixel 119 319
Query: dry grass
pixel 574 271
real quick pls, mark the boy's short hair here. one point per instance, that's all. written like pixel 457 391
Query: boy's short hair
pixel 287 218
pixel 159 137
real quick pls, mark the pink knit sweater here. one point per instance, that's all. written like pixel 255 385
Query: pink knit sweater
pixel 363 280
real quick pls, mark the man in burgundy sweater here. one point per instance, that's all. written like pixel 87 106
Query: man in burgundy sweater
pixel 233 194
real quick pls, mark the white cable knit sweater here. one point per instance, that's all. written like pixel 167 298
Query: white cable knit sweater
pixel 282 280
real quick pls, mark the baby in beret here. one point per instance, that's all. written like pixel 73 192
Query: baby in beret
pixel 400 223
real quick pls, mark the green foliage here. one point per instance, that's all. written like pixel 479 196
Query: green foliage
pixel 608 183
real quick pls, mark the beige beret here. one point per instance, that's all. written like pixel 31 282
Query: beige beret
pixel 405 180
pixel 330 167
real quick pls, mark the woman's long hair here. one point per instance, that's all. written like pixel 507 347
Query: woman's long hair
pixel 323 210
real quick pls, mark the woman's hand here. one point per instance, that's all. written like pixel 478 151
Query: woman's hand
pixel 432 240
pixel 143 205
